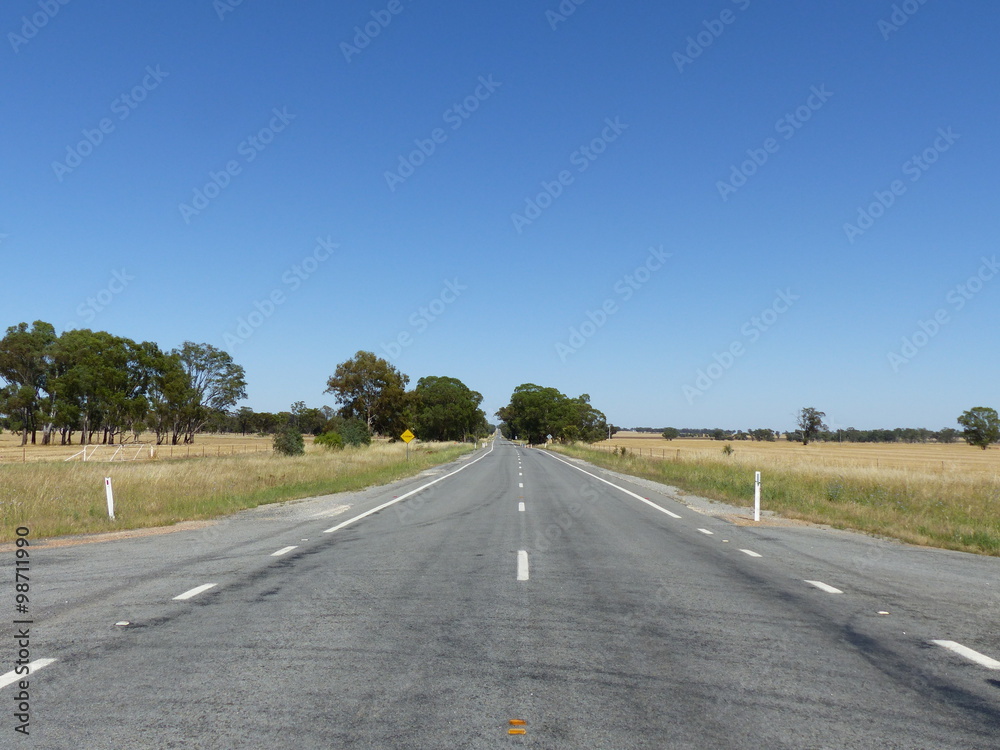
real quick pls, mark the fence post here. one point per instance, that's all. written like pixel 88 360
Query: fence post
pixel 756 497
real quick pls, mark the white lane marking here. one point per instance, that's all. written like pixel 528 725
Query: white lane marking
pixel 706 531
pixel 968 653
pixel 284 551
pixel 521 485
pixel 335 511
pixel 194 592
pixel 11 677
pixel 749 552
pixel 520 474
pixel 520 507
pixel 825 587
pixel 522 565
pixel 627 492
pixel 401 498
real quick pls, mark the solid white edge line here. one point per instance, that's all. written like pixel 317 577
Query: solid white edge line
pixel 627 492
pixel 522 565
pixel 706 531
pixel 284 551
pixel 401 498
pixel 749 552
pixel 825 587
pixel 194 592
pixel 520 507
pixel 11 677
pixel 969 654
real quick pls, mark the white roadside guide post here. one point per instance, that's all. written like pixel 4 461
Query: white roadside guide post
pixel 756 497
pixel 111 498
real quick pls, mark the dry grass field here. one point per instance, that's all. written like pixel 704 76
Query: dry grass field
pixel 920 457
pixel 56 498
pixel 940 495
pixel 205 445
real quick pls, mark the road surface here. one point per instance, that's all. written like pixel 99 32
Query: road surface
pixel 512 586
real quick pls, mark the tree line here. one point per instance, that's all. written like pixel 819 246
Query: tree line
pixel 371 390
pixel 105 387
pixel 980 427
pixel 537 414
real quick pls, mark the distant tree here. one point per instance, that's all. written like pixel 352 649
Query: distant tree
pixel 214 382
pixel 981 426
pixel 534 413
pixel 947 435
pixel 371 389
pixel 23 354
pixel 307 419
pixel 670 433
pixel 245 417
pixel 446 409
pixel 719 434
pixel 810 423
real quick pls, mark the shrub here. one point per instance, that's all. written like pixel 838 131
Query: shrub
pixel 355 432
pixel 288 441
pixel 330 440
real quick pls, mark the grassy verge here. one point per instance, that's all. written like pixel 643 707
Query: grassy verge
pixel 53 499
pixel 952 511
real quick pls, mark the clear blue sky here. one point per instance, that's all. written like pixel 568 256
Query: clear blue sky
pixel 201 79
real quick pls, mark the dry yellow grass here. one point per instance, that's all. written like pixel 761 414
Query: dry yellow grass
pixel 941 495
pixel 931 458
pixel 11 450
pixel 56 498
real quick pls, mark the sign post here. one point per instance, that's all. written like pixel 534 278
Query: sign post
pixel 756 497
pixel 407 437
pixel 111 498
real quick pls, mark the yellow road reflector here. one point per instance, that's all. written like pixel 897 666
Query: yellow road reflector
pixel 518 723
pixel 517 731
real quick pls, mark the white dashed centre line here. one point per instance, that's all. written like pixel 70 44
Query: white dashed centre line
pixel 706 531
pixel 749 552
pixel 284 551
pixel 11 677
pixel 522 565
pixel 968 653
pixel 194 592
pixel 825 587
pixel 520 507
pixel 521 485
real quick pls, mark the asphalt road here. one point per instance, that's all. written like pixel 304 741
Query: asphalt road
pixel 593 617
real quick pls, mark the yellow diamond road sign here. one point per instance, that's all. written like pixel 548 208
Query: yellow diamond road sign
pixel 407 436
